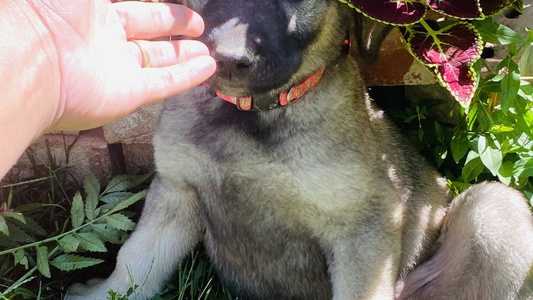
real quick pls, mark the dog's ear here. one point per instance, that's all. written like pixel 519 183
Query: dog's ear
pixel 369 35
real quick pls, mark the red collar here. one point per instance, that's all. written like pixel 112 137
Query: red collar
pixel 246 102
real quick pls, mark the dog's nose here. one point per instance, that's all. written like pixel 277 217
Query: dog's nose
pixel 233 60
pixel 234 46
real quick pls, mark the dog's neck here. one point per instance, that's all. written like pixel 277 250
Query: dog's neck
pixel 247 103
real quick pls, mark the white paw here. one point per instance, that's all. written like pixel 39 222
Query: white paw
pixel 94 289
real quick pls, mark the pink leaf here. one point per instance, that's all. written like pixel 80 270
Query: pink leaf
pixel 449 53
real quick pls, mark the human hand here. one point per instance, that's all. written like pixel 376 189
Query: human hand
pixel 100 72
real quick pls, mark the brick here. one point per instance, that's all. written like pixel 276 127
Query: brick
pixel 86 154
pixel 137 127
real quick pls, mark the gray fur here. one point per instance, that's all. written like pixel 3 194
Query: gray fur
pixel 320 199
pixel 485 250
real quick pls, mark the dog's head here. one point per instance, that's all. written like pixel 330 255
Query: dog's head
pixel 264 46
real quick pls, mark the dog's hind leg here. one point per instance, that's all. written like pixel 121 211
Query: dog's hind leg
pixel 485 250
pixel 169 228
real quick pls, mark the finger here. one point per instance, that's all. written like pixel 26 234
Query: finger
pixel 167 81
pixel 166 53
pixel 151 20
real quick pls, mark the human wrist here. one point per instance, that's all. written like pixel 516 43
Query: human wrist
pixel 30 52
pixel 29 79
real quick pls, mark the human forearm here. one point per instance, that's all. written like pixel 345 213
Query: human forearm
pixel 29 78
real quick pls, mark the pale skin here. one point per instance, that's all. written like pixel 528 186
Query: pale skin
pixel 71 65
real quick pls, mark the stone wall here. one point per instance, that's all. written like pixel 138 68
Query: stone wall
pixel 120 147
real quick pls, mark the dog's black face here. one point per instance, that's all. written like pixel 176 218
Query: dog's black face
pixel 258 44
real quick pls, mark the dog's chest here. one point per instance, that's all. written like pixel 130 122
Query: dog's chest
pixel 278 174
pixel 255 204
pixel 255 230
pixel 270 204
pixel 278 169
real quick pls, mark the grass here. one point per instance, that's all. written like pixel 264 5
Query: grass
pixel 195 279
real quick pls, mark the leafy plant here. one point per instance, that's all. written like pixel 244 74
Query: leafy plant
pixel 494 139
pixel 96 217
pixel 449 46
pixel 37 262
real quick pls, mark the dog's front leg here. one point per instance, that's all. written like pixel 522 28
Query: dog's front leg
pixel 364 265
pixel 169 228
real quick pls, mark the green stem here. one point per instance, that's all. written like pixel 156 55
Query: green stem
pixel 22 279
pixel 486 65
pixel 111 211
pixel 431 32
pixel 19 282
pixel 54 238
pixel 428 28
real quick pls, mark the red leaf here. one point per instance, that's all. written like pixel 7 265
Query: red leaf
pixel 468 9
pixel 490 7
pixel 464 9
pixel 449 53
pixel 390 11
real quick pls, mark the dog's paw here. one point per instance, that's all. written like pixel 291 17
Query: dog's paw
pixel 94 289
